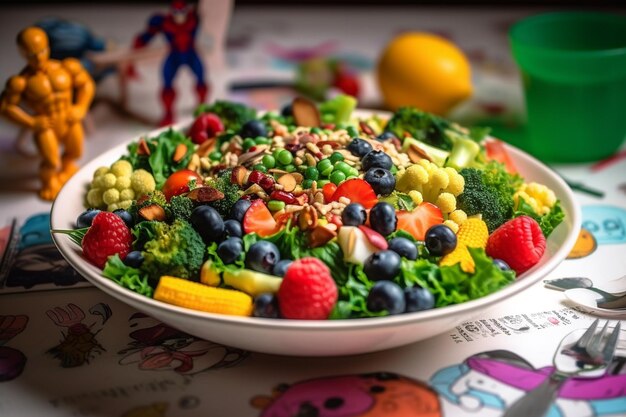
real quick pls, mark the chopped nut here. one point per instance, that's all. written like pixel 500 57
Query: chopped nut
pixel 344 200
pixel 205 163
pixel 320 235
pixel 416 154
pixel 292 208
pixel 143 148
pixel 310 160
pixel 194 162
pixel 305 112
pixel 288 182
pixel 307 219
pixel 152 212
pixel 205 148
pixel 299 177
pixel 205 194
pixel 239 175
pixel 252 155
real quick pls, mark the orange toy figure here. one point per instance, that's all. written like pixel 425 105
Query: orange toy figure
pixel 59 94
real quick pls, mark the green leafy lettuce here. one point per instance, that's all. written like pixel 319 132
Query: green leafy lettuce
pixel 127 277
pixel 548 221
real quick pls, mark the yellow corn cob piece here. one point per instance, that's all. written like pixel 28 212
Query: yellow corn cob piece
pixel 201 297
pixel 473 233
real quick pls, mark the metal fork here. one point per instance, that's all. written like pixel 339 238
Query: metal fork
pixel 586 356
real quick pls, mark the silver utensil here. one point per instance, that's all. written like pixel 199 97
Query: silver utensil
pixel 611 290
pixel 586 356
pixel 588 300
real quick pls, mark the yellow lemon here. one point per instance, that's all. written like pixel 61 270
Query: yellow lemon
pixel 425 71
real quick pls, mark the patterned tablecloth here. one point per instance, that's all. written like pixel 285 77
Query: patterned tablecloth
pixel 68 349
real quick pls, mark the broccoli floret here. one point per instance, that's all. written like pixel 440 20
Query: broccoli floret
pixel 231 192
pixel 179 207
pixel 422 126
pixel 176 249
pixel 488 192
pixel 155 197
pixel 232 114
pixel 338 109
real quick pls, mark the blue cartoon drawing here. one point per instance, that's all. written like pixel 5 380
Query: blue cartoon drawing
pixel 606 223
pixel 487 383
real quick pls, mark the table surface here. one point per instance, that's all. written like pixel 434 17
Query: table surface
pixel 113 361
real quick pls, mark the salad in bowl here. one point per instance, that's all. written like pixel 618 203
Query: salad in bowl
pixel 320 213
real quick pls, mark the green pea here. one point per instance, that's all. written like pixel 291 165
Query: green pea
pixel 316 130
pixel 393 169
pixel 343 167
pixel 337 177
pixel 340 126
pixel 353 172
pixel 335 157
pixel 325 167
pixel 275 205
pixel 311 173
pixel 284 157
pixel 269 161
pixel 260 140
pixel 260 167
pixel 290 168
pixel 328 118
pixel 248 143
pixel 215 156
pixel 321 183
pixel 352 131
pixel 351 177
pixel 306 184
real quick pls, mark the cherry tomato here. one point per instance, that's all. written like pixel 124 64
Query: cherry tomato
pixel 178 182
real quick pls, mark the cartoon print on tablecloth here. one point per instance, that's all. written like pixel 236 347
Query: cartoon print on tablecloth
pixel 12 361
pixel 34 259
pixel 159 409
pixel 159 347
pixel 606 223
pixel 585 245
pixel 487 383
pixel 378 394
pixel 78 344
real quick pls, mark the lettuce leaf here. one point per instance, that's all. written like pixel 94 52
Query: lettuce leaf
pixel 126 276
pixel 548 222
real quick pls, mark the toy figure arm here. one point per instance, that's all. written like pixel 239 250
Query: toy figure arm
pixel 83 85
pixel 154 26
pixel 10 100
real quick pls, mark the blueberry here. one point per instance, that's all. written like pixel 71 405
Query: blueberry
pixel 418 299
pixel 359 147
pixel 503 266
pixel 86 218
pixel 386 135
pixel 239 209
pixel 252 129
pixel 232 228
pixel 386 295
pixel 287 110
pixel 376 159
pixel 230 249
pixel 354 214
pixel 382 265
pixel 266 305
pixel 440 240
pixel 208 223
pixel 382 180
pixel 403 247
pixel 281 267
pixel 126 216
pixel 262 256
pixel 134 259
pixel 383 218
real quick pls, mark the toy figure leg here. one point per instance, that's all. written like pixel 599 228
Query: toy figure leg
pixel 48 146
pixel 73 150
pixel 168 94
pixel 195 64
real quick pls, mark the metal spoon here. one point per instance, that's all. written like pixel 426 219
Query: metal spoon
pixel 610 291
pixel 592 302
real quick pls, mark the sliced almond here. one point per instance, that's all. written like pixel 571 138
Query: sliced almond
pixel 143 148
pixel 320 235
pixel 239 175
pixel 307 219
pixel 332 143
pixel 416 154
pixel 152 212
pixel 305 112
pixel 299 177
pixel 351 241
pixel 205 194
pixel 288 182
pixel 259 150
pixel 179 152
pixel 206 147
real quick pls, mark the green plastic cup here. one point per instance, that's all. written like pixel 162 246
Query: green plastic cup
pixel 573 67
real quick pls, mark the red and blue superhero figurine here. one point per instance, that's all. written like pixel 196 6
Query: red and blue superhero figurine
pixel 179 27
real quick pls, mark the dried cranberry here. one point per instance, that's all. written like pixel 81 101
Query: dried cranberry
pixel 285 197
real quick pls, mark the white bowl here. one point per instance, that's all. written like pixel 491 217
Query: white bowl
pixel 316 338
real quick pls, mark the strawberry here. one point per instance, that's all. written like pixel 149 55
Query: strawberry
pixel 418 221
pixel 518 242
pixel 357 191
pixel 496 151
pixel 258 219
pixel 308 291
pixel 205 127
pixel 328 190
pixel 107 235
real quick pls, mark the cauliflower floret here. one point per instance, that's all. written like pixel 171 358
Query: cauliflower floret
pixel 122 168
pixel 111 196
pixel 127 194
pixel 456 181
pixel 458 216
pixel 122 183
pixel 538 196
pixel 100 172
pixel 417 197
pixel 446 203
pixel 452 225
pixel 142 182
pixel 94 198
pixel 108 180
pixel 124 204
pixel 412 178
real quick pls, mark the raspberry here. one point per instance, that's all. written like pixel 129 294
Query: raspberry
pixel 308 291
pixel 518 242
pixel 107 236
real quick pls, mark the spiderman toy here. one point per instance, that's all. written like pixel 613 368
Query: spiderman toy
pixel 179 27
